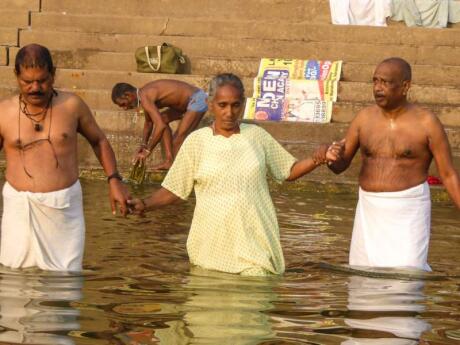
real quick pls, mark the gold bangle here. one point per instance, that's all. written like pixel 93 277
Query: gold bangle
pixel 146 149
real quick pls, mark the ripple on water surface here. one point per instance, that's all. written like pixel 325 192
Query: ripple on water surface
pixel 138 287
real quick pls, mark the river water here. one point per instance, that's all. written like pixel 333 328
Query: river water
pixel 138 287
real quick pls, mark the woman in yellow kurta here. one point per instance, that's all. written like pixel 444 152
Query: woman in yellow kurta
pixel 234 227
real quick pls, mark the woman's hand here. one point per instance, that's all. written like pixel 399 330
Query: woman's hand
pixel 320 155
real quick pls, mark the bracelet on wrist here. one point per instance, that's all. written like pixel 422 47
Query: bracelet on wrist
pixel 116 175
pixel 147 150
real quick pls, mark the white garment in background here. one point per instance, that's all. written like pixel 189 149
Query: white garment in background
pixel 46 230
pixel 427 13
pixel 360 12
pixel 392 229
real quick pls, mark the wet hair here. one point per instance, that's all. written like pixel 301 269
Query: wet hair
pixel 406 70
pixel 120 89
pixel 222 80
pixel 34 56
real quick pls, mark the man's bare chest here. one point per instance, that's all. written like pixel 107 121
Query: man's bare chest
pixel 22 132
pixel 397 143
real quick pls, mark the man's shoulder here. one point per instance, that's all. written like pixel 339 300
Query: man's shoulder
pixel 365 114
pixel 368 110
pixel 69 98
pixel 70 101
pixel 8 105
pixel 8 102
pixel 426 117
pixel 422 111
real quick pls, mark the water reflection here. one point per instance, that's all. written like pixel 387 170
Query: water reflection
pixel 385 311
pixel 220 309
pixel 141 290
pixel 35 307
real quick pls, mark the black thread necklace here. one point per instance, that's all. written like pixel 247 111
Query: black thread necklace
pixel 38 117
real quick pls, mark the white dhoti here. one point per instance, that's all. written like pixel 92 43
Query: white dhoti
pixel 392 229
pixel 46 230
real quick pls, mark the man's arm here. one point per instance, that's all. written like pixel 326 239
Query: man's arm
pixel 440 148
pixel 148 126
pixel 323 154
pixel 154 114
pixel 88 127
pixel 349 145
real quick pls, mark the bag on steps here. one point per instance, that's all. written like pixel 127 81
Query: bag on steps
pixel 165 58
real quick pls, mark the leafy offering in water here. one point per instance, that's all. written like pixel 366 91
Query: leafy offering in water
pixel 137 173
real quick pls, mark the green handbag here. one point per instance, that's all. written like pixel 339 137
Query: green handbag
pixel 159 59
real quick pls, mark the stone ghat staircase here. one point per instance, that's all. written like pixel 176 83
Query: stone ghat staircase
pixel 93 45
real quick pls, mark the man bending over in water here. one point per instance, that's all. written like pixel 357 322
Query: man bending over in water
pixel 398 141
pixel 183 101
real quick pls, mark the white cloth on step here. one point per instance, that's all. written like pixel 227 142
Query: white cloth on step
pixel 427 13
pixel 46 230
pixel 360 12
pixel 392 229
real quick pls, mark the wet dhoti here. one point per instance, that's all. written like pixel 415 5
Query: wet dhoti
pixel 46 230
pixel 392 229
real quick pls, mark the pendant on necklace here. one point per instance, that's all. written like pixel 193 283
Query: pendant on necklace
pixel 38 127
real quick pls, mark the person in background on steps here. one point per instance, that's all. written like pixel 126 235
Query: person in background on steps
pixel 398 141
pixel 43 223
pixel 234 227
pixel 182 100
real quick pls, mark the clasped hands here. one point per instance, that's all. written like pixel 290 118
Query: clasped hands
pixel 329 153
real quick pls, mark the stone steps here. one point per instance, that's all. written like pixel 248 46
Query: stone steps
pixel 343 111
pixel 4 56
pixel 93 44
pixel 89 80
pixel 247 48
pixel 244 67
pixel 293 10
pixel 14 18
pixel 223 28
pixel 21 5
pixel 8 36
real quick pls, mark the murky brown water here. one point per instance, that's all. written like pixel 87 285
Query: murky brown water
pixel 138 287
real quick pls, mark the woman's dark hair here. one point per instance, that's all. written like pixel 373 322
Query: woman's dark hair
pixel 222 80
pixel 120 89
pixel 34 56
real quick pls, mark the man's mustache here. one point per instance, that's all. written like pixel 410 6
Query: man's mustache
pixel 38 93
